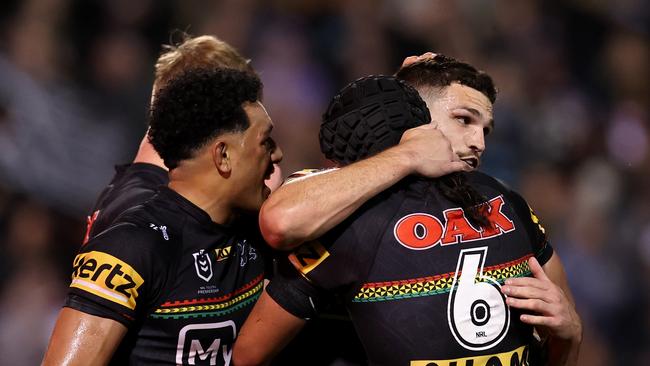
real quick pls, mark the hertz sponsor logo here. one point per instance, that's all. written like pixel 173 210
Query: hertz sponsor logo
pixel 517 357
pixel 108 277
pixel 308 256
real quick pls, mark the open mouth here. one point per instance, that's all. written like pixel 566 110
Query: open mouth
pixel 471 161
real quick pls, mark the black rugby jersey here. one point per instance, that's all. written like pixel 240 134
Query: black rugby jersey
pixel 131 185
pixel 421 282
pixel 182 284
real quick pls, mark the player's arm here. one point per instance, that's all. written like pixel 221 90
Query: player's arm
pixel 302 282
pixel 548 305
pixel 564 345
pixel 267 330
pixel 83 339
pixel 113 276
pixel 545 298
pixel 279 314
pixel 307 208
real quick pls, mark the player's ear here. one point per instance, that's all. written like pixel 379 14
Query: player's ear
pixel 221 157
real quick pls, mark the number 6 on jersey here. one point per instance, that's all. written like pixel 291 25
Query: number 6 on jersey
pixel 477 312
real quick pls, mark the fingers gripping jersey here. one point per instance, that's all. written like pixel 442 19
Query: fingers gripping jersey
pixel 182 284
pixel 422 282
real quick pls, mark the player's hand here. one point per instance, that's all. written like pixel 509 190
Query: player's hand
pixel 428 152
pixel 413 59
pixel 545 305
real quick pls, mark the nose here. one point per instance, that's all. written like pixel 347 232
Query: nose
pixel 276 155
pixel 476 140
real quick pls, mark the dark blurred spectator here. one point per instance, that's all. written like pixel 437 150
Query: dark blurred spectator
pixel 31 289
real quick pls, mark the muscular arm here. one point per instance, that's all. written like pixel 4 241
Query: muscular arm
pixel 307 208
pixel 549 304
pixel 83 339
pixel 564 346
pixel 266 332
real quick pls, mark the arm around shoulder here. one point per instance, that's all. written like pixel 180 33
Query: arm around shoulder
pixel 83 339
pixel 307 208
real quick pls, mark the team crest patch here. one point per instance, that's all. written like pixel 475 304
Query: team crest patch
pixel 203 265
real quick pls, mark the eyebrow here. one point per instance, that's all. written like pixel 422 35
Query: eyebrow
pixel 478 114
pixel 267 131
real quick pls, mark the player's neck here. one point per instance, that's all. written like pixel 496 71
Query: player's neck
pixel 198 186
pixel 147 154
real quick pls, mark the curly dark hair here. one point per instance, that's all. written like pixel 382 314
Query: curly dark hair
pixel 368 116
pixel 197 106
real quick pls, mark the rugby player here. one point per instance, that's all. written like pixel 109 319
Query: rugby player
pixel 172 280
pixel 138 181
pixel 399 261
pixel 133 184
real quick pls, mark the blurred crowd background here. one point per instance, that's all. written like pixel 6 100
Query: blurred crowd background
pixel 572 125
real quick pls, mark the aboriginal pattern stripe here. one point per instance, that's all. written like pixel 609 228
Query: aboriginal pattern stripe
pixel 435 285
pixel 216 306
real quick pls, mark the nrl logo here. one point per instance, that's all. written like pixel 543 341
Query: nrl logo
pixel 203 265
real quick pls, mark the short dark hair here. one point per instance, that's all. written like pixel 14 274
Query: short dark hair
pixel 442 71
pixel 368 116
pixel 197 106
pixel 439 72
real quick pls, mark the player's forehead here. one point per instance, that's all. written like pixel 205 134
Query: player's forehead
pixel 461 96
pixel 459 99
pixel 260 121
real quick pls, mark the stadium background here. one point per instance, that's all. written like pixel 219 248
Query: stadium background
pixel 572 125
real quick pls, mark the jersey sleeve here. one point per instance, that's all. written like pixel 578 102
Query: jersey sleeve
pixel 293 292
pixel 132 185
pixel 117 274
pixel 541 248
pixel 307 277
pixel 333 264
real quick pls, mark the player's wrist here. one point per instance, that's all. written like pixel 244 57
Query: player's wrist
pixel 576 336
pixel 402 160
